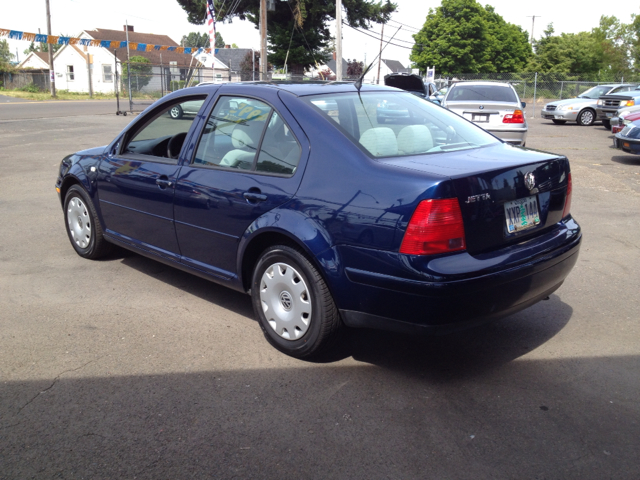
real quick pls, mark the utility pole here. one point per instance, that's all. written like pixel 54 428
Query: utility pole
pixel 263 40
pixel 533 21
pixel 380 54
pixel 338 40
pixel 52 75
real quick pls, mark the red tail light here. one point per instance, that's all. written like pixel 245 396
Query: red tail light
pixel 567 200
pixel 515 117
pixel 435 227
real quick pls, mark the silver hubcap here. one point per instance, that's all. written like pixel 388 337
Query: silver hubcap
pixel 79 222
pixel 175 112
pixel 587 117
pixel 286 301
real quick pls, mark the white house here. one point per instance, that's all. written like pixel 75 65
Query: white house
pixel 39 60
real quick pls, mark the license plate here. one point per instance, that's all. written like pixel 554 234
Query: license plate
pixel 522 214
pixel 476 117
pixel 609 115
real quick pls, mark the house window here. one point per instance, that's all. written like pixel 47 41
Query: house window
pixel 70 76
pixel 107 74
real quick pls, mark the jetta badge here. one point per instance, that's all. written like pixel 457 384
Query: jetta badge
pixel 529 181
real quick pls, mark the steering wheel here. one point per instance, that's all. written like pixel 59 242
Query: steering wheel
pixel 175 145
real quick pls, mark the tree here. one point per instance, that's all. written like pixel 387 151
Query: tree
pixel 140 69
pixel 296 33
pixel 462 36
pixel 354 68
pixel 196 40
pixel 5 52
pixel 248 69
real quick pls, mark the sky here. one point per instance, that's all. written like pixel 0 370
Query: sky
pixel 70 17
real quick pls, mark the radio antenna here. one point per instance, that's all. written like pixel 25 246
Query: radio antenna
pixel 358 82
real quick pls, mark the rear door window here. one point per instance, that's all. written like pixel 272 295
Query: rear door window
pixel 247 134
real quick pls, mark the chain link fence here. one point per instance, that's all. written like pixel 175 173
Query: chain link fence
pixel 137 86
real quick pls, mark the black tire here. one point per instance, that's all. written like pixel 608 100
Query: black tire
pixel 324 323
pixel 586 117
pixel 176 112
pixel 82 225
pixel 606 124
pixel 559 122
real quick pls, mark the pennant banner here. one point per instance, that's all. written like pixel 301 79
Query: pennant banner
pixel 89 42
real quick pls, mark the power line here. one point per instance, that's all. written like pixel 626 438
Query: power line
pixel 364 32
pixel 405 25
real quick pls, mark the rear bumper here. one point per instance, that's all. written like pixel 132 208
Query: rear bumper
pixel 393 303
pixel 514 136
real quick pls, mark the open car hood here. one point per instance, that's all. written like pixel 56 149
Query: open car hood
pixel 411 83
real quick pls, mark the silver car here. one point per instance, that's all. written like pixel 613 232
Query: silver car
pixel 493 106
pixel 581 109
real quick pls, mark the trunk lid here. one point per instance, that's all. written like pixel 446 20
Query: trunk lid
pixel 490 184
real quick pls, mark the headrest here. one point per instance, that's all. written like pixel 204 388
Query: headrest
pixel 380 141
pixel 414 139
pixel 246 135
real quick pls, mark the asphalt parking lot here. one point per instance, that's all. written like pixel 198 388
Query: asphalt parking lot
pixel 126 368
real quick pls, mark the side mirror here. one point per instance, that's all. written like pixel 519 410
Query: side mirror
pixel 524 104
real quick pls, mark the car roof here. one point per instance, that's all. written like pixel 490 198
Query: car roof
pixel 299 88
pixel 483 83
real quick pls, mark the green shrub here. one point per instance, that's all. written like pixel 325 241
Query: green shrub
pixel 31 88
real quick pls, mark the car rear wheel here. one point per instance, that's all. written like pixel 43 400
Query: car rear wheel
pixel 176 112
pixel 559 122
pixel 293 304
pixel 606 124
pixel 83 228
pixel 586 117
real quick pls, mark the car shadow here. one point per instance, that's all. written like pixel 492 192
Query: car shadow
pixel 629 159
pixel 455 355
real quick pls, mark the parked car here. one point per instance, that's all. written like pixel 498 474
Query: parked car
pixel 294 194
pixel 581 109
pixel 622 117
pixel 628 139
pixel 186 108
pixel 608 105
pixel 411 83
pixel 493 106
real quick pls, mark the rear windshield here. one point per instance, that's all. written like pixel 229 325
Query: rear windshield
pixel 390 124
pixel 482 93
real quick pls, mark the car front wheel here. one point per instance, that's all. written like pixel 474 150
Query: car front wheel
pixel 606 124
pixel 293 303
pixel 176 112
pixel 586 118
pixel 83 228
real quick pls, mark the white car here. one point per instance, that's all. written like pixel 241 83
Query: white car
pixel 582 109
pixel 492 106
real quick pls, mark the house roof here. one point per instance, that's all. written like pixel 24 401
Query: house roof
pixel 43 56
pixel 395 66
pixel 332 66
pixel 155 56
pixel 232 57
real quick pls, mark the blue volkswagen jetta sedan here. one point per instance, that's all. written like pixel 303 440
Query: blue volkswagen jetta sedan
pixel 296 195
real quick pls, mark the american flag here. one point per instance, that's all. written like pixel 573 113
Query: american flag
pixel 211 21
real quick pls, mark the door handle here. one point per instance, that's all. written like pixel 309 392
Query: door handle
pixel 163 182
pixel 254 197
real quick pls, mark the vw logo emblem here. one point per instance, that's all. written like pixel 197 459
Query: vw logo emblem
pixel 481 107
pixel 286 301
pixel 529 181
